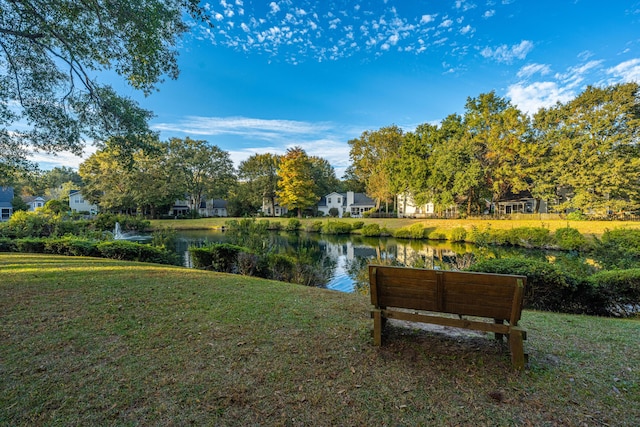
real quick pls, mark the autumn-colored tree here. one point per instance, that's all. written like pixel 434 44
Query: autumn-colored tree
pixel 296 187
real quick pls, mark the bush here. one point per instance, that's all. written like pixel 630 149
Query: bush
pixel 72 246
pixel 28 224
pixel 314 227
pixel 576 216
pixel 34 245
pixel 293 225
pixel 619 249
pixel 436 235
pixel 415 231
pixel 221 257
pixel 336 227
pixel 371 230
pixel 618 291
pixel 281 267
pixel 130 251
pixel 164 238
pixel 458 234
pixel 7 245
pixel 334 212
pixel 357 225
pixel 548 287
pixel 570 239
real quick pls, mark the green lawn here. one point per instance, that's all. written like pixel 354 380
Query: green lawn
pixel 585 227
pixel 98 342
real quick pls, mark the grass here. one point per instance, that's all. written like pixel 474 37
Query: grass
pixel 99 342
pixel 590 228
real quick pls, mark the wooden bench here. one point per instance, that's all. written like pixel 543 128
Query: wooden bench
pixel 419 295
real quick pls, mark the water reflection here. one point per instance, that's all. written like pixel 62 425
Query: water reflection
pixel 341 261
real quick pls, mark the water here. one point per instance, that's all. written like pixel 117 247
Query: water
pixel 118 234
pixel 343 260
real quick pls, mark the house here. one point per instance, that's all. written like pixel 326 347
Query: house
pixel 179 208
pixel 6 205
pixel 77 203
pixel 213 207
pixel 35 202
pixel 407 208
pixel 522 202
pixel 355 204
pixel 270 207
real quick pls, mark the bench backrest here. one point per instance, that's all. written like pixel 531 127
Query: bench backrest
pixel 498 296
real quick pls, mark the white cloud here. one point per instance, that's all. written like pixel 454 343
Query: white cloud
pixel 628 71
pixel 427 18
pixel 466 29
pixel 531 69
pixel 505 53
pixel 489 13
pixel 529 98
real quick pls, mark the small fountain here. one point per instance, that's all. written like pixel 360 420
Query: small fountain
pixel 119 235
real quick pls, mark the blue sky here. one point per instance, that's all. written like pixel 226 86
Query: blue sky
pixel 272 75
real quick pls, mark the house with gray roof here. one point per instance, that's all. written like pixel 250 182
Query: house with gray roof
pixel 355 204
pixel 6 205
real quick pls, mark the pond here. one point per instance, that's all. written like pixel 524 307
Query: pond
pixel 342 260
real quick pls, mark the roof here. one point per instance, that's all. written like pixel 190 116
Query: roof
pixel 219 204
pixel 361 199
pixel 6 197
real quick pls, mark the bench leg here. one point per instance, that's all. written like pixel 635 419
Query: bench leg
pixel 498 336
pixel 377 327
pixel 517 348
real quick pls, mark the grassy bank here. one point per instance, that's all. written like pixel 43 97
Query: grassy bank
pixel 98 342
pixel 595 228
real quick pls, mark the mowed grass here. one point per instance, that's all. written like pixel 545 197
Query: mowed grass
pixel 589 228
pixel 97 342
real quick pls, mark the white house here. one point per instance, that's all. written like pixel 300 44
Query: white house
pixel 77 203
pixel 355 204
pixel 272 208
pixel 35 203
pixel 407 208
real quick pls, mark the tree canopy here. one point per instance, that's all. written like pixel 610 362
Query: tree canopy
pixel 51 55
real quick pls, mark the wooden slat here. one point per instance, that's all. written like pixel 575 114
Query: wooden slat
pixel 447 321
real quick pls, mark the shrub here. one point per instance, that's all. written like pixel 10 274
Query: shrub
pixel 576 216
pixel 548 287
pixel 7 245
pixel 28 224
pixel 314 227
pixel 458 234
pixel 73 246
pixel 618 291
pixel 619 249
pixel 334 212
pixel 336 227
pixel 357 225
pixel 436 235
pixel 530 237
pixel 221 257
pixel 30 244
pixel 131 251
pixel 371 230
pixel 281 267
pixel 415 231
pixel 164 238
pixel 570 239
pixel 293 225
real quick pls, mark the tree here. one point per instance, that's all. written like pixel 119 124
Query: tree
pixel 323 175
pixel 499 134
pixel 50 54
pixel 201 170
pixel 373 159
pixel 296 188
pixel 259 174
pixel 593 148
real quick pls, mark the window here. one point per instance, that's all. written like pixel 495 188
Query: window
pixel 339 200
pixel 329 200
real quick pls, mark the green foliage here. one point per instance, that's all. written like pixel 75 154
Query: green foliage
pixel 56 206
pixel 415 231
pixel 7 245
pixel 619 290
pixel 334 212
pixel 28 224
pixel 293 225
pixel 314 227
pixel 458 234
pixel 164 238
pixel 570 239
pixel 371 230
pixel 357 225
pixel 436 235
pixel 548 287
pixel 72 246
pixel 528 237
pixel 30 245
pixel 281 267
pixel 576 216
pixel 222 257
pixel 619 248
pixel 131 251
pixel 336 227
